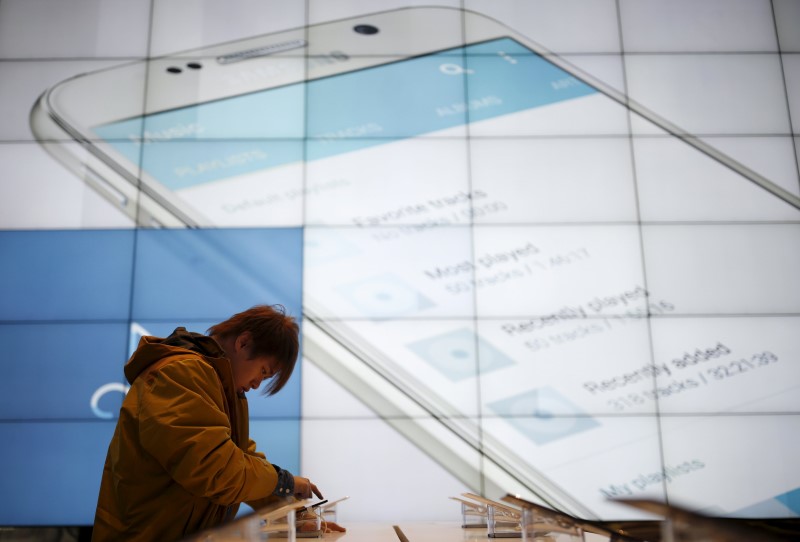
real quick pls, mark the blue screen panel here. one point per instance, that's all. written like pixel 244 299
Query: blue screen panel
pixel 279 440
pixel 56 371
pixel 65 274
pixel 212 274
pixel 52 471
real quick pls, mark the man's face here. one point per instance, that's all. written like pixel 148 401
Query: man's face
pixel 248 371
pixel 248 374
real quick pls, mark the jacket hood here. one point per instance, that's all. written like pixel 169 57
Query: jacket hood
pixel 153 349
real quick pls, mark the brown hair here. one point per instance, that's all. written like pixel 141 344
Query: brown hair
pixel 274 334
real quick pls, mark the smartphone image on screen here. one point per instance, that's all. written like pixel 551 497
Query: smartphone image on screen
pixel 474 239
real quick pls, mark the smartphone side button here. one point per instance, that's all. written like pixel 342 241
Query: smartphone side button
pixel 106 188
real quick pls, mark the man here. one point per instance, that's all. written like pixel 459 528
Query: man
pixel 181 459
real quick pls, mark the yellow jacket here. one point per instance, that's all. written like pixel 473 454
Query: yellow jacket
pixel 181 459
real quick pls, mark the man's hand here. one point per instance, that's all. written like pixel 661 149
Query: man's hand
pixel 303 488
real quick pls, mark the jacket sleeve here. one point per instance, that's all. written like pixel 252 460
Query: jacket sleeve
pixel 183 425
pixel 261 503
pixel 285 485
pixel 251 450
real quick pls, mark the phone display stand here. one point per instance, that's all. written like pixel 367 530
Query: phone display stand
pixel 281 522
pixel 500 520
pixel 309 523
pixel 503 522
pixel 473 515
pixel 329 512
pixel 539 525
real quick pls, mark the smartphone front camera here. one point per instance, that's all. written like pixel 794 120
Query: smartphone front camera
pixel 365 29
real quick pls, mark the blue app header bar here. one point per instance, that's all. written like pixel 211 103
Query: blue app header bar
pixel 346 112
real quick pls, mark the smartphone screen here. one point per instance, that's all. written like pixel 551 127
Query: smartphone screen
pixel 476 229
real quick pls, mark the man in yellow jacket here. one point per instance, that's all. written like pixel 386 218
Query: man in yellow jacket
pixel 181 459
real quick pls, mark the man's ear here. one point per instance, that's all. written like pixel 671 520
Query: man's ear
pixel 244 341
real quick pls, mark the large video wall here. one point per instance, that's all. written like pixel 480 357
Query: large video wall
pixel 547 248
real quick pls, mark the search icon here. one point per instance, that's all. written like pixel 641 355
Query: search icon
pixel 453 69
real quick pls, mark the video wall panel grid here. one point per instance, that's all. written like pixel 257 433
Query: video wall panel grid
pixel 547 248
